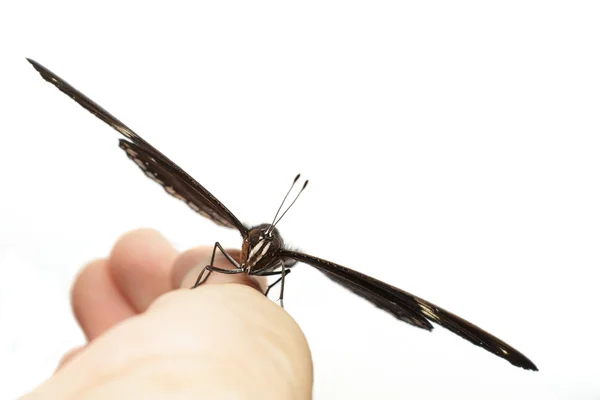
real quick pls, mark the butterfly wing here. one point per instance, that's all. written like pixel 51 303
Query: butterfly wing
pixel 156 165
pixel 410 308
pixel 375 297
pixel 162 173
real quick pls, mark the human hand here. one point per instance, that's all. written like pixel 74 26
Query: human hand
pixel 150 339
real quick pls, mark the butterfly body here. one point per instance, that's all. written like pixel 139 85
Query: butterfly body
pixel 260 248
pixel 263 251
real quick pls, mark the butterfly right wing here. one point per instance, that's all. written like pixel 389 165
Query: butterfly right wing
pixel 188 189
pixel 397 310
pixel 403 304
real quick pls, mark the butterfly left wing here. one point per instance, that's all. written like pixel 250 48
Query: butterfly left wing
pixel 190 191
pixel 405 306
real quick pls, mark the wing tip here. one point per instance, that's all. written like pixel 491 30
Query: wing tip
pixel 35 64
pixel 526 364
pixel 43 71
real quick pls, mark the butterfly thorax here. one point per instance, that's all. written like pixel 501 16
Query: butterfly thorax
pixel 260 247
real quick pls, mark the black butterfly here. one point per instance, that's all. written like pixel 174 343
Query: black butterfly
pixel 263 252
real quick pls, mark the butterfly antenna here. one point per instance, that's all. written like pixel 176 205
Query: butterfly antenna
pixel 281 205
pixel 290 206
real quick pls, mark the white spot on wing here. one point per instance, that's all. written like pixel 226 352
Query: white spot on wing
pixel 140 163
pixel 198 210
pixel 429 311
pixel 153 177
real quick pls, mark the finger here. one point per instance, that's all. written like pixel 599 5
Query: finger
pixel 188 265
pixel 140 264
pixel 97 302
pixel 224 341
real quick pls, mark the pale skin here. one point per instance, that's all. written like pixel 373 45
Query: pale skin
pixel 150 337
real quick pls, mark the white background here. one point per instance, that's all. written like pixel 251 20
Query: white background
pixel 453 151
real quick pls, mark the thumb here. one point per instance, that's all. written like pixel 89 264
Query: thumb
pixel 216 341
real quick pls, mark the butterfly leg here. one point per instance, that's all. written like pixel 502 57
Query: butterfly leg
pixel 287 271
pixel 199 280
pixel 210 268
pixel 284 271
pixel 283 274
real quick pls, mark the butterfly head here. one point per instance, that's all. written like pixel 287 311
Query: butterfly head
pixel 260 246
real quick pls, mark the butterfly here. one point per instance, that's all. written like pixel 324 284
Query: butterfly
pixel 263 250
